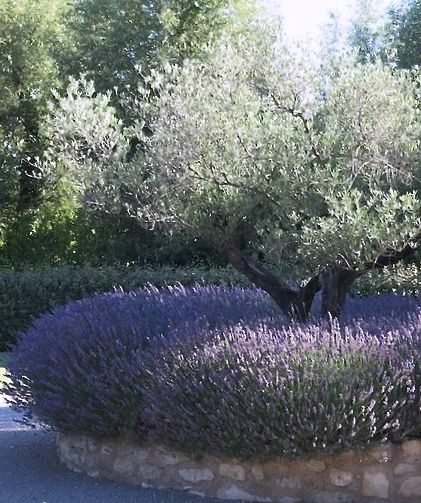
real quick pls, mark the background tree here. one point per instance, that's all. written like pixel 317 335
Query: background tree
pixel 31 35
pixel 258 151
pixel 332 38
pixel 110 38
pixel 364 33
pixel 29 32
pixel 405 33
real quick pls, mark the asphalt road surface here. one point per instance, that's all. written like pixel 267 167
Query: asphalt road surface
pixel 30 472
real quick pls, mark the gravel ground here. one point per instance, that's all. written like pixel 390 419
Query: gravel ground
pixel 30 472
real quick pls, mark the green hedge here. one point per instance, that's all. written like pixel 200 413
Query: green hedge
pixel 29 293
pixel 3 358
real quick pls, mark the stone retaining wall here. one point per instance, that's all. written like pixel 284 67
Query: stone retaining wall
pixel 391 472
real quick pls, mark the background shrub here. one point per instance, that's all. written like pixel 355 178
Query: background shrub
pixel 25 295
pixel 80 368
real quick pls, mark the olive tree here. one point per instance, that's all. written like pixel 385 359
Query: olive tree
pixel 305 179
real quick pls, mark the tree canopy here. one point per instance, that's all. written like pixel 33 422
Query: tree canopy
pixel 110 38
pixel 405 32
pixel 28 33
pixel 364 32
pixel 318 171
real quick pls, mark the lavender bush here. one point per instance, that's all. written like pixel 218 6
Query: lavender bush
pixel 217 369
pixel 297 391
pixel 80 367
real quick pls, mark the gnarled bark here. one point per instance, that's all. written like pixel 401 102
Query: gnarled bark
pixel 294 302
pixel 337 281
pixel 336 284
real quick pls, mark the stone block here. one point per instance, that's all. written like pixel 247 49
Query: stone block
pixel 403 468
pixel 148 472
pixel 411 488
pixel 330 497
pixel 73 456
pixel 340 478
pixel 196 475
pixel 77 442
pixel 123 466
pixel 290 482
pixel 375 485
pixel 92 445
pixel 141 454
pixel 107 449
pixel 314 465
pixel 411 450
pixel 164 457
pixel 381 454
pixel 232 471
pixel 236 493
pixel 257 472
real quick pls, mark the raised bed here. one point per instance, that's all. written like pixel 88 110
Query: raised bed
pixel 390 472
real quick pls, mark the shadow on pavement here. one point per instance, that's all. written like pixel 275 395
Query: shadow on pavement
pixel 30 472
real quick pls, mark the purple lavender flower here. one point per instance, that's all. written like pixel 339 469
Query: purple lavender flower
pixel 217 369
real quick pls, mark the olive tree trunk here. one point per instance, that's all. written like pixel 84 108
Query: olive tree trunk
pixel 336 284
pixel 335 281
pixel 294 302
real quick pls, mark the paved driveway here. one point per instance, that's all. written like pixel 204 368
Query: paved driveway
pixel 30 472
